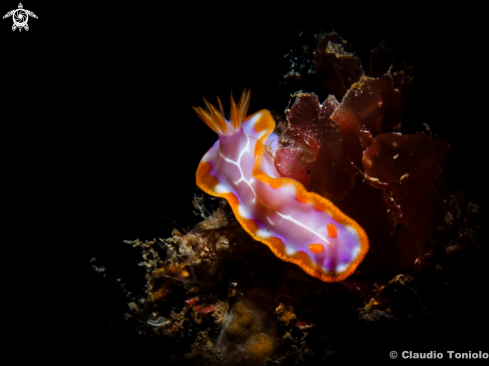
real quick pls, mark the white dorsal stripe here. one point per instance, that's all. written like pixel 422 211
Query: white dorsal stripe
pixel 291 219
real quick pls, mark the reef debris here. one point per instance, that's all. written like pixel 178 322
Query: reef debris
pixel 266 311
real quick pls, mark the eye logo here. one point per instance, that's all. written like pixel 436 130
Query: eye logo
pixel 20 17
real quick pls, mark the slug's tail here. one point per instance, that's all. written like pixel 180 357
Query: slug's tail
pixel 215 118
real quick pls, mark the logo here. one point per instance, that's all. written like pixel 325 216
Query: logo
pixel 20 17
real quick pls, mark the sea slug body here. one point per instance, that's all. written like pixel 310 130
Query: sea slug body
pixel 298 226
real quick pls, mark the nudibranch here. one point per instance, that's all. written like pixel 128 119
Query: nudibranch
pixel 298 226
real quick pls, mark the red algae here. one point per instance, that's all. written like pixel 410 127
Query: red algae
pixel 409 169
pixel 399 196
pixel 330 173
pixel 360 114
pixel 205 309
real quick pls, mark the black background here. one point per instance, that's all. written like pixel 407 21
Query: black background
pixel 100 144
